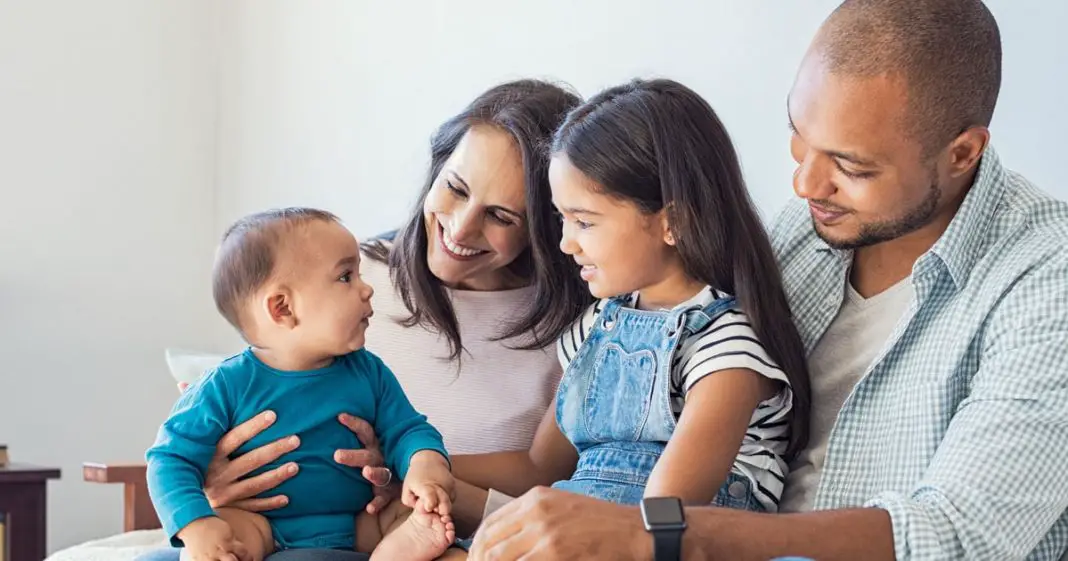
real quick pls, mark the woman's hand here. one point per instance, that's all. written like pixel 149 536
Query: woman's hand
pixel 223 484
pixel 371 461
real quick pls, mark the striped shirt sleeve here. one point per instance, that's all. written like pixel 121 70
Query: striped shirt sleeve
pixel 726 343
pixel 570 342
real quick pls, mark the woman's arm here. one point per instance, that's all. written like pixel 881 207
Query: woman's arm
pixel 551 458
pixel 699 455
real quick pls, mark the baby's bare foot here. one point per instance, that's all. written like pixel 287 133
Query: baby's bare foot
pixel 423 537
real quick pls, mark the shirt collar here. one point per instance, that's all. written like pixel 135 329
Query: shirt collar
pixel 703 298
pixel 961 244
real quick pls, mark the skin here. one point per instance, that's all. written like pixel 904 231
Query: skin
pixel 832 116
pixel 866 179
pixel 478 202
pixel 314 308
pixel 881 188
pixel 480 194
pixel 619 248
pixel 624 250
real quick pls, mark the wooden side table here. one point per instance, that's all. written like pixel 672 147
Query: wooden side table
pixel 23 500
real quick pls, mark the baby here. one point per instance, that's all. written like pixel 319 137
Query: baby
pixel 289 281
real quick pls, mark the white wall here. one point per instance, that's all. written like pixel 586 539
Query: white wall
pixel 331 102
pixel 107 157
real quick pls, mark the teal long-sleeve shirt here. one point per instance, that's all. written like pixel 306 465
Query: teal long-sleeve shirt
pixel 307 404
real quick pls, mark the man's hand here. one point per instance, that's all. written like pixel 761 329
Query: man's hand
pixel 548 524
pixel 212 539
pixel 429 483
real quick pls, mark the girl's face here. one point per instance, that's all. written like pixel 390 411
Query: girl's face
pixel 620 248
pixel 476 213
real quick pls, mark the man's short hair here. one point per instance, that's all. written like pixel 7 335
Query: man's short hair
pixel 947 51
pixel 247 255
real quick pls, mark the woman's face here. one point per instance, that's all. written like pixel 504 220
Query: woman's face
pixel 476 213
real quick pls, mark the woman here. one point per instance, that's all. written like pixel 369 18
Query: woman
pixel 471 294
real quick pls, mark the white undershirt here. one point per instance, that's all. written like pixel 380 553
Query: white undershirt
pixel 848 347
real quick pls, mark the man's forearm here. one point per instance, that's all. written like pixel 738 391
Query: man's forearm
pixel 715 534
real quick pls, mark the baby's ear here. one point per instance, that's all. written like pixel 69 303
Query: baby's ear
pixel 279 307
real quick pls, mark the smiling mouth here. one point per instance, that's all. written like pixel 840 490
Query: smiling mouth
pixel 825 215
pixel 455 250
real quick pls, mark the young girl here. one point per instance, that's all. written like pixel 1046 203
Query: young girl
pixel 688 378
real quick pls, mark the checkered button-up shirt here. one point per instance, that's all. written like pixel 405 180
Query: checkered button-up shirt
pixel 959 428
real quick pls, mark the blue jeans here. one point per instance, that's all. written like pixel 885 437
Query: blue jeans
pixel 173 554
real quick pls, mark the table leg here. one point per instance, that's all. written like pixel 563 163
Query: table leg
pixel 24 504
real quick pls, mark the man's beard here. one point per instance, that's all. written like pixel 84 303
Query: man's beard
pixel 879 232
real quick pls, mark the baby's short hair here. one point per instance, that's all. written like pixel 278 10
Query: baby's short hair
pixel 246 256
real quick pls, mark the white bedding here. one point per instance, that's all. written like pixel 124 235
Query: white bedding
pixel 123 547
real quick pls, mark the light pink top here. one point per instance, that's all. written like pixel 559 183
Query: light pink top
pixel 496 399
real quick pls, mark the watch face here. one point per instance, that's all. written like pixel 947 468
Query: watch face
pixel 663 512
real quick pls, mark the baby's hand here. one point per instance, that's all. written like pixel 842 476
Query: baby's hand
pixel 429 485
pixel 212 539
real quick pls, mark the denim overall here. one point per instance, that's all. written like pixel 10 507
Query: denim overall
pixel 614 401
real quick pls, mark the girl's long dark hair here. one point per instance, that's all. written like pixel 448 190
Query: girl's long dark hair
pixel 660 145
pixel 530 111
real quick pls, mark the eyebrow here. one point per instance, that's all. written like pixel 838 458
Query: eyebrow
pixel 579 210
pixel 349 261
pixel 837 154
pixel 505 210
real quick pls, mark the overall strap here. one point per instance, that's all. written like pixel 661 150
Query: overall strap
pixel 696 318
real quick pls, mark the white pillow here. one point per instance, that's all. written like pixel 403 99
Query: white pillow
pixel 188 366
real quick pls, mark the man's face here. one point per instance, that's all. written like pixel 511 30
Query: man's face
pixel 865 179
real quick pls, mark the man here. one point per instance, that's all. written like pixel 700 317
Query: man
pixel 930 286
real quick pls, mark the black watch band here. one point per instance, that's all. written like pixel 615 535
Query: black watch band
pixel 665 520
pixel 667 545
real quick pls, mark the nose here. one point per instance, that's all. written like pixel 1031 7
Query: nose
pixel 465 225
pixel 567 241
pixel 368 290
pixel 812 178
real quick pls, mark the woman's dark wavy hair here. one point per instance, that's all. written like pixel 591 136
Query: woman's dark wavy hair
pixel 530 111
pixel 659 145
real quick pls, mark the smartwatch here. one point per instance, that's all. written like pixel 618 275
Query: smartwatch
pixel 665 519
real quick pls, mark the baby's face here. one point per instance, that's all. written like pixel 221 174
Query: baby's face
pixel 331 302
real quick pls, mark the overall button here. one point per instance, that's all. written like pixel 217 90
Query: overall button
pixel 737 490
